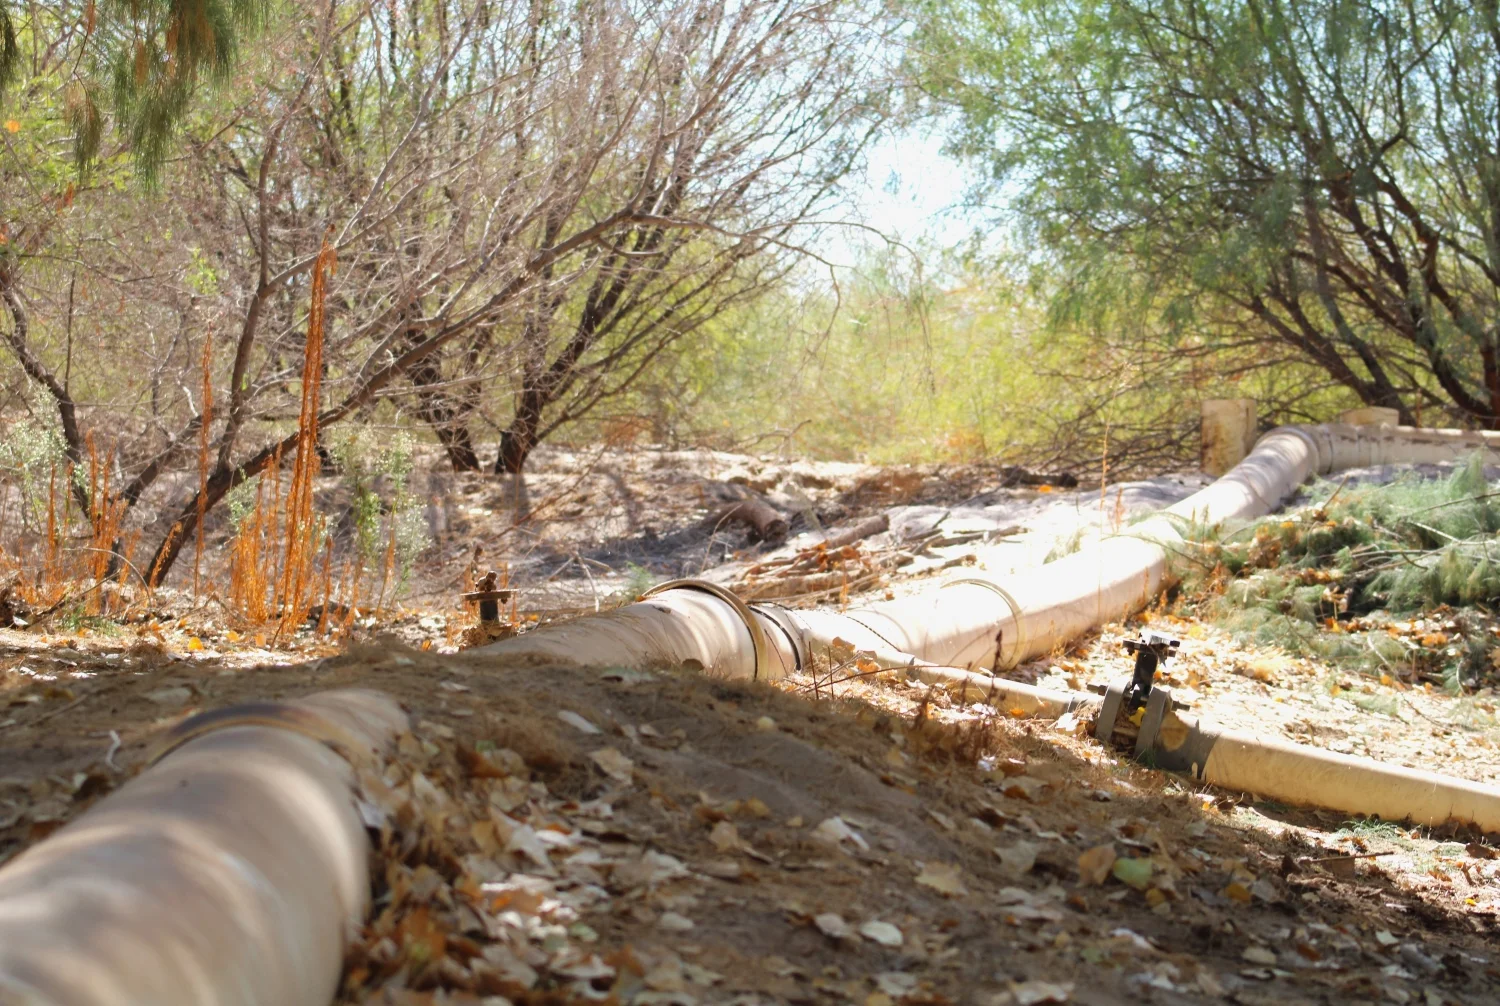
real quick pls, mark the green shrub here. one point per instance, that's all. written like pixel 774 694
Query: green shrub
pixel 1330 579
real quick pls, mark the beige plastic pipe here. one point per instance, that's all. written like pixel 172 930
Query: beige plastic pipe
pixel 984 623
pixel 941 634
pixel 1309 776
pixel 230 873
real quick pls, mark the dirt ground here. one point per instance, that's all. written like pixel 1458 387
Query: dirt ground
pixel 662 837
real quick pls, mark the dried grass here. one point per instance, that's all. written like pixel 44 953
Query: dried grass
pixel 303 527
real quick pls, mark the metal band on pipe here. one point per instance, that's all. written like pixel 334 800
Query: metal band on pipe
pixel 758 642
pixel 779 616
pixel 1015 611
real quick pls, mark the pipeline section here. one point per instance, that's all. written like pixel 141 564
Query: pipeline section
pixel 232 872
pixel 981 623
pixel 944 635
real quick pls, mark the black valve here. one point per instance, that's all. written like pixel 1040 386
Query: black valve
pixel 489 598
pixel 1150 651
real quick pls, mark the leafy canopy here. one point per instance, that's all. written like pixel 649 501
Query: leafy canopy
pixel 1326 170
pixel 144 59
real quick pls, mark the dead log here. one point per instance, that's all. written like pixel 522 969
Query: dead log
pixel 867 528
pixel 806 587
pixel 1015 475
pixel 762 519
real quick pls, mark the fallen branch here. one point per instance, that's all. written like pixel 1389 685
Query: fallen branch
pixel 867 528
pixel 763 520
pixel 802 587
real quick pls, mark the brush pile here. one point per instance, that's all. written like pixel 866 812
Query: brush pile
pixel 1394 580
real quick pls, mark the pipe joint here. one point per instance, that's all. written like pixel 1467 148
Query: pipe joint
pixel 765 670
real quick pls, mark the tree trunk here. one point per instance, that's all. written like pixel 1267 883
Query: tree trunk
pixel 447 417
pixel 459 447
pixel 518 441
pixel 516 444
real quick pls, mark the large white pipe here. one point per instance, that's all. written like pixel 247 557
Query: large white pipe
pixel 985 623
pixel 233 872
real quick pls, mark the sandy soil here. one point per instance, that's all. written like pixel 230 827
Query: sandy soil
pixel 715 842
pixel 718 842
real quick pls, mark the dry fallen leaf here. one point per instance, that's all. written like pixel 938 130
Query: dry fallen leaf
pixel 883 933
pixel 943 878
pixel 1017 858
pixel 171 696
pixel 1023 905
pixel 756 808
pixel 832 925
pixel 1209 983
pixel 675 923
pixel 1036 992
pixel 1023 787
pixel 613 764
pixel 835 831
pixel 896 984
pixel 1259 955
pixel 725 837
pixel 588 969
pixel 1094 866
pixel 576 721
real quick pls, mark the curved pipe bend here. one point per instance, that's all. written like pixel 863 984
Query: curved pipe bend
pixel 944 635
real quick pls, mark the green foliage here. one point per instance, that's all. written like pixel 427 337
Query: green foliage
pixel 30 453
pixel 377 466
pixel 1369 828
pixel 76 617
pixel 1331 580
pixel 1067 545
pixel 147 59
pixel 411 538
pixel 201 276
pixel 241 501
pixel 638 580
pixel 161 51
pixel 956 362
pixel 1317 175
pixel 85 120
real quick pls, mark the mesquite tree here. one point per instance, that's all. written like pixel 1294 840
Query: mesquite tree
pixel 1322 176
pixel 520 197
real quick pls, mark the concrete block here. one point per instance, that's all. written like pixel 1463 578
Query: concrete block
pixel 1229 433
